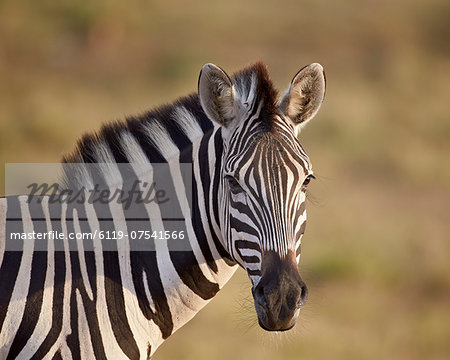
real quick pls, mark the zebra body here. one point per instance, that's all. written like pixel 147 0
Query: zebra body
pixel 249 175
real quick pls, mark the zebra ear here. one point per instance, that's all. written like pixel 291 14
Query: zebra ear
pixel 305 95
pixel 215 91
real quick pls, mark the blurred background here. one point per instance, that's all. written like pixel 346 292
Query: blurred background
pixel 376 251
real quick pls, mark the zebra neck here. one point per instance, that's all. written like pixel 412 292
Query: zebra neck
pixel 191 278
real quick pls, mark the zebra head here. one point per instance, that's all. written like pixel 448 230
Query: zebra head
pixel 264 174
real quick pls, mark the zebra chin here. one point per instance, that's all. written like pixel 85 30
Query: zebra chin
pixel 268 323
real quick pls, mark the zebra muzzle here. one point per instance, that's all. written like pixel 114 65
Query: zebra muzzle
pixel 279 295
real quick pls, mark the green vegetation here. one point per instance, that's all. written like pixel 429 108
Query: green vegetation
pixel 375 253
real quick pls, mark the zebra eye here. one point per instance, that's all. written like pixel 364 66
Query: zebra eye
pixel 234 185
pixel 308 180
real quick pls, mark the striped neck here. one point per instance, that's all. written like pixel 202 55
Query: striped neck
pixel 188 280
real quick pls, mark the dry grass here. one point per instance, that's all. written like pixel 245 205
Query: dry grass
pixel 376 249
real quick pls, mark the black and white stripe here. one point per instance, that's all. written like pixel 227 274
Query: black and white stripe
pixel 79 300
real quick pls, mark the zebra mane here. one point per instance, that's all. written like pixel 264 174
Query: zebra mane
pixel 154 136
pixel 176 119
pixel 160 133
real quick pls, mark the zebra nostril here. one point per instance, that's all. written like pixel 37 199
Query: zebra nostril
pixel 303 295
pixel 259 296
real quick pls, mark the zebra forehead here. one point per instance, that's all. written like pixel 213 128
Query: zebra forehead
pixel 279 152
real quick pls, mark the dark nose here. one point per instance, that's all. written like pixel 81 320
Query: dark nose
pixel 278 300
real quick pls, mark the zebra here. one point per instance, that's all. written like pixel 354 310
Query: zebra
pixel 249 180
